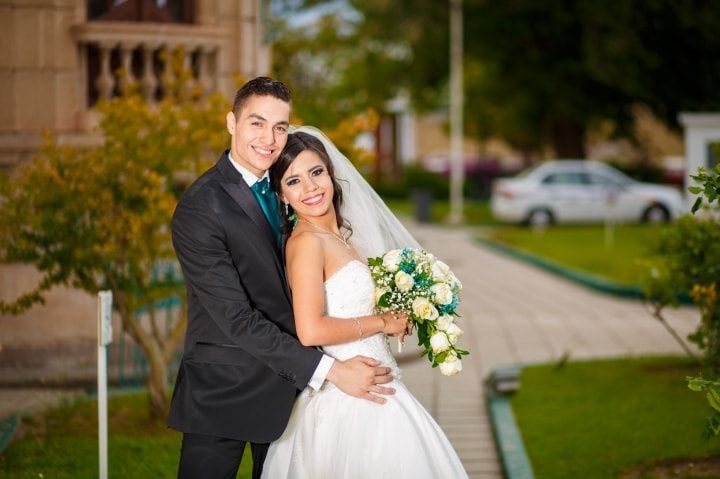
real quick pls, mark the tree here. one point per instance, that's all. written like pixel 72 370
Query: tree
pixel 99 218
pixel 345 63
pixel 310 61
pixel 538 74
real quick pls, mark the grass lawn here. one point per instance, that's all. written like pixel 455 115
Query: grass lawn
pixel 584 247
pixel 62 443
pixel 598 419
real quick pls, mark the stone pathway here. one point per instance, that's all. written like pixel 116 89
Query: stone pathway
pixel 513 313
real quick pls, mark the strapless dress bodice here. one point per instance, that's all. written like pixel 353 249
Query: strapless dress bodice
pixel 349 293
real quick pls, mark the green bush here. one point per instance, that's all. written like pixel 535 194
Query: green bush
pixel 415 178
pixel 689 260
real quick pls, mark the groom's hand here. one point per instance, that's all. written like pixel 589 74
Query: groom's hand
pixel 361 377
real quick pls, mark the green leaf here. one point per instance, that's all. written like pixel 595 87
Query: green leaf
pixel 384 300
pixel 713 399
pixel 375 261
pixel 696 384
pixel 440 358
pixel 461 352
pixel 422 334
pixel 696 205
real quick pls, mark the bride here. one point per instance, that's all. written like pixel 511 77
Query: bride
pixel 340 221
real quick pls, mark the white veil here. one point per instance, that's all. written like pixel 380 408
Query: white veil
pixel 375 229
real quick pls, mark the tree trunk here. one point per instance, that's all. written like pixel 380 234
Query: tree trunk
pixel 157 383
pixel 568 139
pixel 157 378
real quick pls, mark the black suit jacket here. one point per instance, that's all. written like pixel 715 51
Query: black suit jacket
pixel 242 365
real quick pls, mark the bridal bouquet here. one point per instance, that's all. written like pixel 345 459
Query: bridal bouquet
pixel 415 282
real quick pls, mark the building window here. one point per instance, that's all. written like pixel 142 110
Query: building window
pixel 156 11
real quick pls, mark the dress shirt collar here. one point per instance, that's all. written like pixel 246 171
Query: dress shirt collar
pixel 248 176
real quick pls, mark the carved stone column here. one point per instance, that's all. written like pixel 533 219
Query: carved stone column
pixel 105 82
pixel 205 79
pixel 190 81
pixel 127 79
pixel 148 81
pixel 167 78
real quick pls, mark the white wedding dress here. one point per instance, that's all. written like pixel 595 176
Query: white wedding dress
pixel 333 435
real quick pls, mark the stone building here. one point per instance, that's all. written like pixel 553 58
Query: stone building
pixel 58 57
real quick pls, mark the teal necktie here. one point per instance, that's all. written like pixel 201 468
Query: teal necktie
pixel 268 202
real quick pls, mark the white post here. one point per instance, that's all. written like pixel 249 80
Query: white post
pixel 104 338
pixel 457 166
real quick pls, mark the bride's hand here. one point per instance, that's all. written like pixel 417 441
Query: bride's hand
pixel 394 323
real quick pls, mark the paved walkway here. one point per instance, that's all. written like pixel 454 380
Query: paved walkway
pixel 513 313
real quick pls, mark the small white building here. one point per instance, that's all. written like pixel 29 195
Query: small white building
pixel 702 133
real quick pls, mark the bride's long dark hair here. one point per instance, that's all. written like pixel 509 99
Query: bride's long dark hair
pixel 296 144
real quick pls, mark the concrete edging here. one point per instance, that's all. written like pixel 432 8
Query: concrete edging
pixel 511 449
pixel 8 428
pixel 588 280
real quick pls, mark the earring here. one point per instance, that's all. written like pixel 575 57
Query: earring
pixel 286 209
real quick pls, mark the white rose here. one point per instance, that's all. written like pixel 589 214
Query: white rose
pixel 451 366
pixel 422 308
pixel 440 270
pixel 444 321
pixel 442 293
pixel 439 342
pixel 455 282
pixel 391 260
pixel 404 281
pixel 453 333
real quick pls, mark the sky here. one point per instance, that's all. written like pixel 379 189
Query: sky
pixel 309 16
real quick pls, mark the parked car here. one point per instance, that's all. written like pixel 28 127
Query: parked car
pixel 577 191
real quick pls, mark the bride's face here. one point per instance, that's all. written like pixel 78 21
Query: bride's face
pixel 307 186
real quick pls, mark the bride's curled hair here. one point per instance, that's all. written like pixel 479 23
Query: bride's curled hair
pixel 296 144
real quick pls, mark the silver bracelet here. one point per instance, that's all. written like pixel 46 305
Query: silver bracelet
pixel 357 321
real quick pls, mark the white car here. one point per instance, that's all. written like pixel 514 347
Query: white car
pixel 581 191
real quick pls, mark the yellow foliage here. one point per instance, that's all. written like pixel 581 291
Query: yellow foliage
pixel 94 217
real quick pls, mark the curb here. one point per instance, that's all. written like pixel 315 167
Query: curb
pixel 8 428
pixel 588 280
pixel 511 449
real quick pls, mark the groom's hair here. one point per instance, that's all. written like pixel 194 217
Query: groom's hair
pixel 260 86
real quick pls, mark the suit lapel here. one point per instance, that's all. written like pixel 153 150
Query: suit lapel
pixel 238 190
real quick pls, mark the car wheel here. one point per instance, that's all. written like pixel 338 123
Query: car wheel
pixel 656 214
pixel 540 217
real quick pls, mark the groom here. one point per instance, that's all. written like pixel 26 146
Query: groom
pixel 243 365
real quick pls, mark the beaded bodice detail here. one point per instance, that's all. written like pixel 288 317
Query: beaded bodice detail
pixel 350 292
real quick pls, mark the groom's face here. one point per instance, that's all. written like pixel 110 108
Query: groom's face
pixel 259 132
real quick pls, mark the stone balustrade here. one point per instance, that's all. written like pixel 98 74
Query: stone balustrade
pixel 142 52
